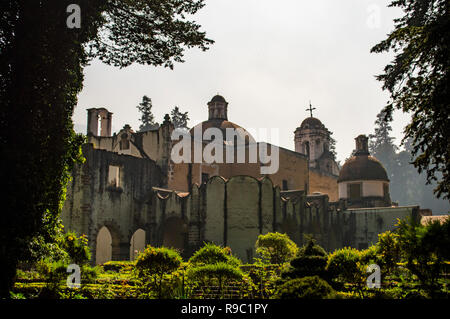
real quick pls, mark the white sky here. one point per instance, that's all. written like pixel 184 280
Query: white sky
pixel 270 58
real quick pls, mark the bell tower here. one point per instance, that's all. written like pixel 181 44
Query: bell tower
pixel 217 108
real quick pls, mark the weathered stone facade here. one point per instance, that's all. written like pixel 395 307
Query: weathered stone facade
pixel 130 186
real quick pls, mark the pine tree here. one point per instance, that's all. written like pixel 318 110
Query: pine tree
pixel 179 119
pixel 147 118
pixel 381 146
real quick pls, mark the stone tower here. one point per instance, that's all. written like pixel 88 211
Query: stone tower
pixel 96 115
pixel 217 108
pixel 312 138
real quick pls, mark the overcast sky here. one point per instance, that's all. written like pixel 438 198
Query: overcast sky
pixel 269 59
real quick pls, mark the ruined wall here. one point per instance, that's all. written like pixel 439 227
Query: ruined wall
pixel 361 226
pixel 234 212
pixel 93 201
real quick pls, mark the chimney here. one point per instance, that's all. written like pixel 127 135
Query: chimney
pixel 362 145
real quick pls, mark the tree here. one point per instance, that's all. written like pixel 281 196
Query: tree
pixel 418 82
pixel 381 144
pixel 41 73
pixel 179 119
pixel 310 260
pixel 154 263
pixel 345 266
pixel 213 254
pixel 276 248
pixel 147 118
pixel 425 248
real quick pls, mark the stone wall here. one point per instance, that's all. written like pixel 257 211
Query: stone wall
pixel 323 182
pixel 123 207
pixel 361 226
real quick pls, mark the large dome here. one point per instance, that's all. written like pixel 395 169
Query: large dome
pixel 362 167
pixel 243 136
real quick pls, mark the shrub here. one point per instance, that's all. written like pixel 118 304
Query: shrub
pixel 388 249
pixel 212 254
pixel 311 287
pixel 425 249
pixel 276 248
pixel 344 265
pixel 220 272
pixel 119 266
pixel 311 260
pixel 154 263
pixel 77 248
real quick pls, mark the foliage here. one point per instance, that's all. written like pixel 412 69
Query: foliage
pixel 417 80
pixel 425 249
pixel 179 119
pixel 119 266
pixel 77 248
pixel 264 277
pixel 345 266
pixel 208 273
pixel 407 185
pixel 212 254
pixel 311 287
pixel 41 73
pixel 147 117
pixel 311 260
pixel 153 263
pixel 389 253
pixel 276 248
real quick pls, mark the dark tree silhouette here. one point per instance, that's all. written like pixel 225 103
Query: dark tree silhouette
pixel 41 73
pixel 418 82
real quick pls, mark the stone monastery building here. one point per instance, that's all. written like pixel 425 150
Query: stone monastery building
pixel 130 192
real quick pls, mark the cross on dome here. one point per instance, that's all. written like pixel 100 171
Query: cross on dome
pixel 310 109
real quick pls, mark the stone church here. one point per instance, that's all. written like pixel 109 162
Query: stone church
pixel 131 192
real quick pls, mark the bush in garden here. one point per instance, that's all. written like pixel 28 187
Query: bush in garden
pixel 209 274
pixel 388 253
pixel 53 274
pixel 311 260
pixel 212 254
pixel 153 263
pixel 276 248
pixel 311 287
pixel 77 248
pixel 345 266
pixel 426 249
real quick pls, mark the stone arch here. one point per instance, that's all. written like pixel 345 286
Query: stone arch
pixel 110 240
pixel 137 243
pixel 175 233
pixel 103 249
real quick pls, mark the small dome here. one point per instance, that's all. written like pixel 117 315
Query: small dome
pixel 312 123
pixel 218 98
pixel 362 167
